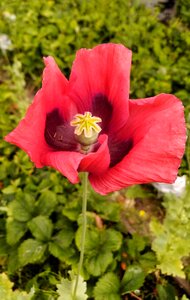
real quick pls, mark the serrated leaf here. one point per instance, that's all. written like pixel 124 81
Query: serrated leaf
pixel 15 231
pixel 90 218
pixel 31 251
pixel 172 238
pixel 148 262
pixel 41 228
pixel 107 288
pixel 6 292
pixel 64 237
pixel 68 255
pixel 46 203
pixel 169 250
pixel 111 239
pixel 5 287
pixel 156 227
pixel 72 210
pixel 133 279
pixel 97 263
pixel 66 289
pixel 91 240
pixel 106 208
pixel 22 208
pixel 136 245
pixel 172 266
pixel 99 245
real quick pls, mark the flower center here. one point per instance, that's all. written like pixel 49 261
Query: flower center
pixel 87 129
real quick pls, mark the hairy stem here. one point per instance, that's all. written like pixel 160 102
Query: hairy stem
pixel 84 207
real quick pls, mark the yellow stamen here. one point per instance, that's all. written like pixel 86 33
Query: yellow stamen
pixel 86 124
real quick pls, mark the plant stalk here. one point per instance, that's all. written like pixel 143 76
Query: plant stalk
pixel 84 208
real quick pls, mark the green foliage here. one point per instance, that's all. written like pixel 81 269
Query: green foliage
pixel 99 248
pixel 46 203
pixel 107 288
pixel 31 251
pixel 107 210
pixel 15 231
pixel 137 191
pixel 184 297
pixel 6 292
pixel 172 238
pixel 183 11
pixel 133 279
pixel 166 292
pixel 65 289
pixel 48 29
pixel 40 222
pixel 41 228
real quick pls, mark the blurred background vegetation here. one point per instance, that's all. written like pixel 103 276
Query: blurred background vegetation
pixel 147 234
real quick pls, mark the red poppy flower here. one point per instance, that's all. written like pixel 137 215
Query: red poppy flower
pixel 140 141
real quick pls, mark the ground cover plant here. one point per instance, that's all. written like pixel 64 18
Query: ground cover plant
pixel 137 243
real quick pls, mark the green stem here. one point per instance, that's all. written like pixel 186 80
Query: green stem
pixel 84 207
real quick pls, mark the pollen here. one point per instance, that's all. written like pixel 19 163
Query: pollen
pixel 86 124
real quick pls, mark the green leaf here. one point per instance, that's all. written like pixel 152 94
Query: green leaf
pixel 22 208
pixel 170 249
pixel 108 240
pixel 97 263
pixel 31 251
pixel 3 246
pixel 67 255
pixel 72 209
pixel 66 289
pixel 106 207
pixel 99 245
pixel 107 288
pixel 5 287
pixel 91 240
pixel 60 243
pixel 41 228
pixel 133 279
pixel 172 237
pixel 46 203
pixel 148 261
pixel 64 237
pixel 166 292
pixel 6 292
pixel 137 191
pixel 184 297
pixel 13 261
pixel 111 239
pixel 15 231
pixel 10 189
pixel 136 245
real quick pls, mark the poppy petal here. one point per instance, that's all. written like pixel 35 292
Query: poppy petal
pixel 58 133
pixel 157 128
pixel 97 162
pixel 65 162
pixel 102 73
pixel 54 87
pixel 29 134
